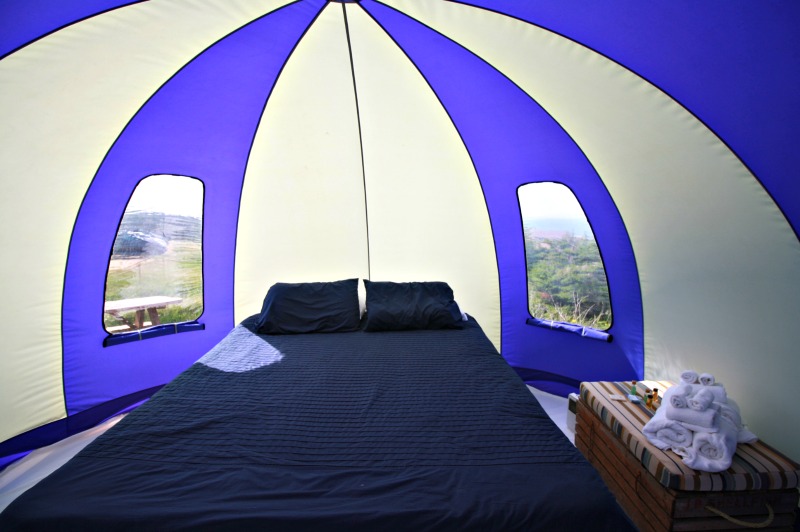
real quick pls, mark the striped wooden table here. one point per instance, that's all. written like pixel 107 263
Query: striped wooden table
pixel 659 492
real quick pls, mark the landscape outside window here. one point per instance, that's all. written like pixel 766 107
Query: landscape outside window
pixel 566 278
pixel 156 265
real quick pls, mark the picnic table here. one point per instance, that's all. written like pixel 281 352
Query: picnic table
pixel 150 304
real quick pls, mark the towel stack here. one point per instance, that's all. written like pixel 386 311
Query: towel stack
pixel 699 422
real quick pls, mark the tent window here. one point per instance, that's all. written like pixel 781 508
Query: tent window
pixel 155 275
pixel 566 278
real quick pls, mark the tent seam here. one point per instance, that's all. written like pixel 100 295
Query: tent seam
pixel 360 138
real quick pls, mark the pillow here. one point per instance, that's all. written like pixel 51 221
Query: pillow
pixel 405 306
pixel 293 308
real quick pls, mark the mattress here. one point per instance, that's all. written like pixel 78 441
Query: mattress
pixel 407 430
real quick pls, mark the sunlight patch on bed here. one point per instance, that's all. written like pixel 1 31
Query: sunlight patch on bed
pixel 241 351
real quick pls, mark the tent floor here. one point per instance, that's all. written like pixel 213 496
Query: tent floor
pixel 25 473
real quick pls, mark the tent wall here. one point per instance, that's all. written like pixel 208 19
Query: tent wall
pixel 513 141
pixel 65 100
pixel 387 140
pixel 367 178
pixel 714 251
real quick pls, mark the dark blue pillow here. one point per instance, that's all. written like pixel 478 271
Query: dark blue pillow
pixel 405 306
pixel 293 308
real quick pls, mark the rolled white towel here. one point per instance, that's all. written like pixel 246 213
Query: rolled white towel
pixel 689 390
pixel 665 433
pixel 712 452
pixel 697 420
pixel 707 379
pixel 679 401
pixel 690 377
pixel 677 395
pixel 717 390
pixel 701 400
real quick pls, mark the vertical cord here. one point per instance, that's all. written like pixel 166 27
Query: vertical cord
pixel 360 138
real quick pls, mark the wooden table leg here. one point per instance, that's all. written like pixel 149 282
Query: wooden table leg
pixel 153 313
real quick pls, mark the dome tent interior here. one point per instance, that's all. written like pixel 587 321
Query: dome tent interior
pixel 390 141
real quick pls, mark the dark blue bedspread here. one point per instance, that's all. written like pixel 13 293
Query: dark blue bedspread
pixel 413 430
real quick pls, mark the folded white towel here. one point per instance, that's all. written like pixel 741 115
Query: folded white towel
pixel 745 436
pixel 707 379
pixel 730 411
pixel 690 377
pixel 697 420
pixel 701 400
pixel 665 433
pixel 712 452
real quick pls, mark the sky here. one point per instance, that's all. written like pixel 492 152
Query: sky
pixel 547 201
pixel 170 194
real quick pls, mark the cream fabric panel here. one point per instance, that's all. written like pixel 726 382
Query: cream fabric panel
pixel 427 215
pixel 718 262
pixel 64 100
pixel 302 209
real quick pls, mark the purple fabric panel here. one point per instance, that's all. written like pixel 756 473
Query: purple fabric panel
pixel 733 63
pixel 23 21
pixel 201 123
pixel 512 141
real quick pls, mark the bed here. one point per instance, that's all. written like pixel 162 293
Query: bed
pixel 415 429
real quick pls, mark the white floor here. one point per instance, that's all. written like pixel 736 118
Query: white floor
pixel 557 408
pixel 23 474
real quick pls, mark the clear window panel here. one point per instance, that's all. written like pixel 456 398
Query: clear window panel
pixel 566 277
pixel 155 275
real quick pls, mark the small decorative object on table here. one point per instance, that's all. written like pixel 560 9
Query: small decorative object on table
pixel 632 395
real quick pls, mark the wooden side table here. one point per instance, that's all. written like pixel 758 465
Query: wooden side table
pixel 660 493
